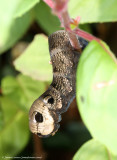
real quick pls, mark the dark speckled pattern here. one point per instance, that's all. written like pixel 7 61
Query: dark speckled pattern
pixel 62 90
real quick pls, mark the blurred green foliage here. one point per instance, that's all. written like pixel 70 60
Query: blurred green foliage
pixel 18 94
pixel 19 90
pixel 36 65
pixel 94 150
pixel 97 100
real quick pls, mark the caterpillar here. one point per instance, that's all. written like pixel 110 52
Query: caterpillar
pixel 45 112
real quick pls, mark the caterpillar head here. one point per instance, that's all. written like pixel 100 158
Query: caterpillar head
pixel 43 119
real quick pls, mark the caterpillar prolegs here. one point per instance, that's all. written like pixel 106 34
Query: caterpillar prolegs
pixel 45 112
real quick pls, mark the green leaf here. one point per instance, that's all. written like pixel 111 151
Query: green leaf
pixel 11 29
pixel 22 90
pixel 15 133
pixel 18 95
pixel 34 62
pixel 93 11
pixel 93 150
pixel 96 94
pixel 24 6
pixel 1 117
pixel 48 21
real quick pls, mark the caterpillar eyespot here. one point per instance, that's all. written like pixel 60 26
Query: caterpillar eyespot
pixel 45 112
pixel 49 100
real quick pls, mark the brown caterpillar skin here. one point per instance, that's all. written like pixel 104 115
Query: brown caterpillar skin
pixel 45 112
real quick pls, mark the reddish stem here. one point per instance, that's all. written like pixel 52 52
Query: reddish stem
pixel 90 37
pixel 61 11
pixel 59 7
pixel 85 35
pixel 72 36
pixel 49 3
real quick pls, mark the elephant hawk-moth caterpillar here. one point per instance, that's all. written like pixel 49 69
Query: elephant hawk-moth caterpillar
pixel 45 112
